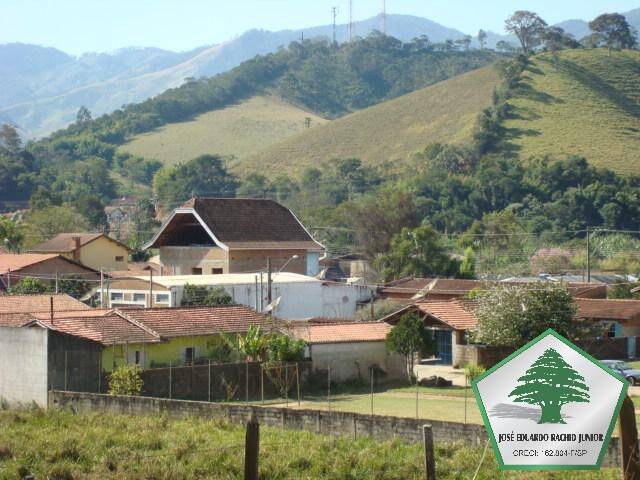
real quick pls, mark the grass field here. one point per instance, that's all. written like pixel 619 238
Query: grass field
pixel 390 131
pixel 239 130
pixel 63 446
pixel 589 106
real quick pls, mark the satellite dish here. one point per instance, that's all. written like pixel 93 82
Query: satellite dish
pixel 272 306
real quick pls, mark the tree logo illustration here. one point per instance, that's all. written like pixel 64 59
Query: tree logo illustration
pixel 551 383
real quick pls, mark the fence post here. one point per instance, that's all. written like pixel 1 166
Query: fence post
pixel 429 454
pixel 372 391
pixel 252 450
pixel 465 398
pixel 286 384
pixel 329 387
pixel 298 380
pixel 209 382
pixel 629 440
pixel 169 379
pixel 246 381
pixel 66 372
pixel 417 398
pixel 262 383
pixel 100 373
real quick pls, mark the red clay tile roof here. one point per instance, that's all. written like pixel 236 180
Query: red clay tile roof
pixel 348 332
pixel 245 223
pixel 454 286
pixel 14 319
pixel 454 313
pixel 17 261
pixel 39 303
pixel 409 286
pixel 65 243
pixel 110 329
pixel 177 322
pixel 458 314
pixel 607 309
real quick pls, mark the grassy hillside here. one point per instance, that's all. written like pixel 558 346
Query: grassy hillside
pixel 241 130
pixel 444 112
pixel 589 106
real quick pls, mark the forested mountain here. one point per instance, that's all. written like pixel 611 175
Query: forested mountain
pixel 41 89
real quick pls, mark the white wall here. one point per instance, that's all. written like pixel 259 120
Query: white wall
pixel 23 365
pixel 352 360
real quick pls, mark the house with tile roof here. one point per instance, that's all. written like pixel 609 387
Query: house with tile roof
pixel 234 235
pixel 45 266
pixel 94 250
pixel 450 320
pixel 350 349
pixel 147 337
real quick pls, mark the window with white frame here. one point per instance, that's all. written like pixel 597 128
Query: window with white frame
pixel 162 298
pixel 117 296
pixel 139 297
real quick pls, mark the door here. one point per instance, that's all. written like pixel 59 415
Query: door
pixel 444 347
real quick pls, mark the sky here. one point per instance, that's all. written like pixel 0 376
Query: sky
pixel 78 26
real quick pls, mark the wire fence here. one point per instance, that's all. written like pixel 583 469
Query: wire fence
pixel 286 384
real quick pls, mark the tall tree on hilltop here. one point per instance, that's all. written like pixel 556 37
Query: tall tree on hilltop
pixel 482 38
pixel 551 383
pixel 528 27
pixel 614 30
pixel 10 138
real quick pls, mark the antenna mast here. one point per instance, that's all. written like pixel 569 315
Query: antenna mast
pixel 350 20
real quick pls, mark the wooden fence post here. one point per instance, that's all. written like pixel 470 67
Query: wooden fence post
pixel 429 454
pixel 629 441
pixel 252 450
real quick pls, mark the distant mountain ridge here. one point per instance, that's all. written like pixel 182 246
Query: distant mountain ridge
pixel 41 88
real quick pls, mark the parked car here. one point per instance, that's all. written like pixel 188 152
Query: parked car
pixel 623 368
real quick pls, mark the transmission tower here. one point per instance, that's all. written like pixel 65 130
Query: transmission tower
pixel 334 10
pixel 350 20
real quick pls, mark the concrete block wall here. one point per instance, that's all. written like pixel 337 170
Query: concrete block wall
pixel 322 422
pixel 23 365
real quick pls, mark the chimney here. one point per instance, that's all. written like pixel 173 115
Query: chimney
pixel 76 248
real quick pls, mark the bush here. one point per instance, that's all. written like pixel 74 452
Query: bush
pixel 125 380
pixel 473 371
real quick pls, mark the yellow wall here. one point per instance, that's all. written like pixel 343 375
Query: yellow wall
pixel 102 253
pixel 159 354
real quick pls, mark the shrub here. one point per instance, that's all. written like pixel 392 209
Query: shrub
pixel 473 371
pixel 125 380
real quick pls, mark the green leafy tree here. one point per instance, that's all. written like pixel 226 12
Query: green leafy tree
pixel 74 286
pixel 419 253
pixel 283 348
pixel 204 175
pixel 614 30
pixel 43 224
pixel 468 265
pixel 252 345
pixel 125 380
pixel 528 27
pixel 203 296
pixel 83 117
pixel 551 383
pixel 410 338
pixel 11 236
pixel 513 315
pixel 10 138
pixel 30 286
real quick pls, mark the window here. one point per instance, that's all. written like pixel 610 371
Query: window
pixel 196 271
pixel 162 298
pixel 139 297
pixel 116 296
pixel 217 271
pixel 189 354
pixel 119 258
pixel 611 333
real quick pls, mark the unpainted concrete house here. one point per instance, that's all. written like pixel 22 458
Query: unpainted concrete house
pixel 234 235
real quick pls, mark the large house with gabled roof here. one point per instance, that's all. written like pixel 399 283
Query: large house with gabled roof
pixel 208 236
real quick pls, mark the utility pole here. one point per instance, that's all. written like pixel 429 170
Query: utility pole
pixel 151 288
pixel 269 281
pixel 350 20
pixel 334 10
pixel 101 288
pixel 588 255
pixel 384 16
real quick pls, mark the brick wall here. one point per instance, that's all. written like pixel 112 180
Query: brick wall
pixel 322 422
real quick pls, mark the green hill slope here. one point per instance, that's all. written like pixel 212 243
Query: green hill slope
pixel 444 112
pixel 589 106
pixel 240 130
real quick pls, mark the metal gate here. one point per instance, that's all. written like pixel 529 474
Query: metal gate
pixel 444 347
